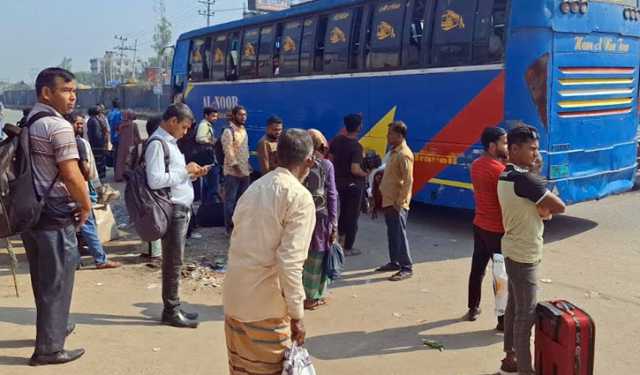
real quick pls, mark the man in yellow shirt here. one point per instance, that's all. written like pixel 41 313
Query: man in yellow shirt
pixel 395 188
pixel 263 292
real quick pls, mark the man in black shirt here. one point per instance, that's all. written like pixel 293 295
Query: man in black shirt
pixel 346 153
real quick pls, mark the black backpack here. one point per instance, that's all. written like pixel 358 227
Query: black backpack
pixel 20 205
pixel 315 184
pixel 149 210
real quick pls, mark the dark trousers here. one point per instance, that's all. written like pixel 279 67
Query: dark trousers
pixel 399 251
pixel 53 257
pixel 211 186
pixel 485 244
pixel 234 187
pixel 521 312
pixel 350 204
pixel 173 243
pixel 100 154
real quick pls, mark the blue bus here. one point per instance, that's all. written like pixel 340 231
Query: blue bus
pixel 448 68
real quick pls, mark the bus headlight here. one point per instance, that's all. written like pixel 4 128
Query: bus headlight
pixel 575 7
pixel 565 7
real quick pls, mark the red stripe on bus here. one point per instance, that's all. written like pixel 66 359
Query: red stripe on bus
pixel 464 130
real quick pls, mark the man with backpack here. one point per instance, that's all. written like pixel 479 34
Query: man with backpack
pixel 51 246
pixel 204 140
pixel 176 176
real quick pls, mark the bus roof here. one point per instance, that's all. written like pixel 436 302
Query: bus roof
pixel 311 7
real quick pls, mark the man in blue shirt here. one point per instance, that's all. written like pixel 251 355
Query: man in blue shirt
pixel 115 119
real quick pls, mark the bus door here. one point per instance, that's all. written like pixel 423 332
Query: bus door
pixel 180 68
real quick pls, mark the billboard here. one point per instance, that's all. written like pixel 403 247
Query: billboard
pixel 268 5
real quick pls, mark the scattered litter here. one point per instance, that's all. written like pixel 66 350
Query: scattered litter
pixel 546 281
pixel 397 315
pixel 421 321
pixel 99 284
pixel 424 290
pixel 153 265
pixel 153 286
pixel 453 240
pixel 435 245
pixel 433 344
pixel 156 349
pixel 354 296
pixel 592 294
pixel 205 273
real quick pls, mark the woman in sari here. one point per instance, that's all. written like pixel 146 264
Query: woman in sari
pixel 314 278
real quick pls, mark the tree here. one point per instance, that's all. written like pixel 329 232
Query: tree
pixel 66 63
pixel 162 36
pixel 88 78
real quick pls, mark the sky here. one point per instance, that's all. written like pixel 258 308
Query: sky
pixel 35 34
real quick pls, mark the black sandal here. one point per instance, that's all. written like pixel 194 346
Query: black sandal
pixel 401 275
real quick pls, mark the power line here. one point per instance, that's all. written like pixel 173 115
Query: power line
pixel 209 12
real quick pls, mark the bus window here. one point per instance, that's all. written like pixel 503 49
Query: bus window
pixel 290 48
pixel 453 32
pixel 318 59
pixel 200 59
pixel 415 33
pixel 355 61
pixel 488 44
pixel 248 61
pixel 386 35
pixel 336 42
pixel 307 46
pixel 265 57
pixel 219 48
pixel 233 56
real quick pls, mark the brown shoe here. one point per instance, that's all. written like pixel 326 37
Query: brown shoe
pixel 108 265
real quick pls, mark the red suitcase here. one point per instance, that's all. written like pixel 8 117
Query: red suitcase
pixel 565 339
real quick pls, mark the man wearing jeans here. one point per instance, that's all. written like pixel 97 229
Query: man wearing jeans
pixel 525 202
pixel 235 144
pixel 89 170
pixel 396 187
pixel 176 121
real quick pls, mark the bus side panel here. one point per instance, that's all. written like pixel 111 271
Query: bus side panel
pixel 528 49
pixel 442 111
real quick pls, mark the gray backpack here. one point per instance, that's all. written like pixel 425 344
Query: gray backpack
pixel 20 204
pixel 149 210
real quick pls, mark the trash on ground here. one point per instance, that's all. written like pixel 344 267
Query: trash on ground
pixel 433 344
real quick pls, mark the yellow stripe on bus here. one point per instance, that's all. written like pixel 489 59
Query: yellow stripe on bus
pixel 594 103
pixel 595 81
pixel 451 183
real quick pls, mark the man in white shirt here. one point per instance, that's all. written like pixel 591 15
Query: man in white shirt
pixel 263 293
pixel 176 121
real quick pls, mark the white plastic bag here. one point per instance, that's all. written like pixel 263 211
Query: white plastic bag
pixel 500 284
pixel 297 361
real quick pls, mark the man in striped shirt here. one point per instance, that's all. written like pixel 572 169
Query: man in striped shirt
pixel 51 245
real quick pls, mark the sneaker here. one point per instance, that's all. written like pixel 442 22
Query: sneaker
pixel 500 326
pixel 110 264
pixel 509 366
pixel 403 274
pixel 473 314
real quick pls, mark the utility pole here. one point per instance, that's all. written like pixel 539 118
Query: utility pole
pixel 120 48
pixel 133 63
pixel 209 12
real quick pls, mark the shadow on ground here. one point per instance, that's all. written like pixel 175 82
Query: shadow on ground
pixel 396 340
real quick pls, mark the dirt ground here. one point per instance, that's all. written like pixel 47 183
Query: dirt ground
pixel 371 326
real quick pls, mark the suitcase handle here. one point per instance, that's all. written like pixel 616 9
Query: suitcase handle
pixel 549 310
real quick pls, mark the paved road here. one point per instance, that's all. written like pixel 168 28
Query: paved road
pixel 371 326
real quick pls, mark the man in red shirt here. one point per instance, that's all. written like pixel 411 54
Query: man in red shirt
pixel 487 224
